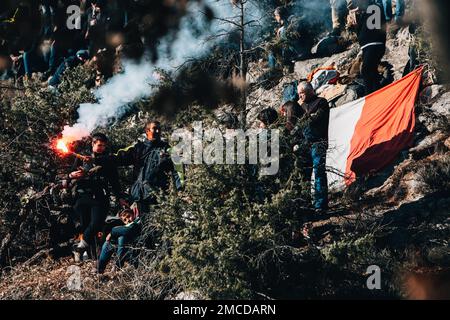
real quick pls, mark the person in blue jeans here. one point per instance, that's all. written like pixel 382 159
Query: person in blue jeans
pixel 399 10
pixel 118 240
pixel 313 122
pixel 79 58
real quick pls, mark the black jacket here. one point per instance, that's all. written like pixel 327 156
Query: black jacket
pixel 314 120
pixel 367 35
pixel 98 179
pixel 152 167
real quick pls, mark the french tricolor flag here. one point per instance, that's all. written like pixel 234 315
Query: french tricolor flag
pixel 367 134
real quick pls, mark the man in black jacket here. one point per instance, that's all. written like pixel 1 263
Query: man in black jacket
pixel 96 27
pixel 371 24
pixel 313 122
pixel 152 167
pixel 91 188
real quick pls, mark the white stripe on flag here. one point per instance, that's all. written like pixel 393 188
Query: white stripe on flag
pixel 341 128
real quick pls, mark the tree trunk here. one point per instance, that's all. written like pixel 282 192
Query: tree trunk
pixel 243 67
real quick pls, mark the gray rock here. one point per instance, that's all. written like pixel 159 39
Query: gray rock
pixel 303 68
pixel 428 142
pixel 341 61
pixel 433 121
pixel 431 94
pixel 397 52
pixel 350 95
pixel 189 295
pixel 442 105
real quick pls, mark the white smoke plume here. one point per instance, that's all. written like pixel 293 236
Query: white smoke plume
pixel 115 97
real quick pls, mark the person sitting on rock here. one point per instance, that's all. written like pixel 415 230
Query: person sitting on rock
pixel 293 41
pixel 79 58
pixel 153 169
pixel 119 238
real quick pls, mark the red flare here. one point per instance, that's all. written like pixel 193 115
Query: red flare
pixel 61 146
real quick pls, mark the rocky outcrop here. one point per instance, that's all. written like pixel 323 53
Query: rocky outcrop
pixel 442 105
pixel 396 55
pixel 402 182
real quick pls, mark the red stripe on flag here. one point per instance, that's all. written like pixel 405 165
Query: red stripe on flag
pixel 385 128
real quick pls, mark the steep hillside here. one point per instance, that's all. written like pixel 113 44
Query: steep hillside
pixel 398 219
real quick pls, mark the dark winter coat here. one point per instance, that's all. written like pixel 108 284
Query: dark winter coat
pixel 368 35
pixel 98 180
pixel 314 120
pixel 152 167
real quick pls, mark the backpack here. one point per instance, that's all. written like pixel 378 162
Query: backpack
pixel 327 46
pixel 323 76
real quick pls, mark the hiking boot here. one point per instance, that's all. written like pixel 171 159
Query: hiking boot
pixel 85 256
pixel 79 251
pixel 52 89
pixel 81 246
pixel 76 256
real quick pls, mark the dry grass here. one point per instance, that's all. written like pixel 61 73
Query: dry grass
pixel 65 280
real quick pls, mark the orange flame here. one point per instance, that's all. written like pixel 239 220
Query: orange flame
pixel 61 145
